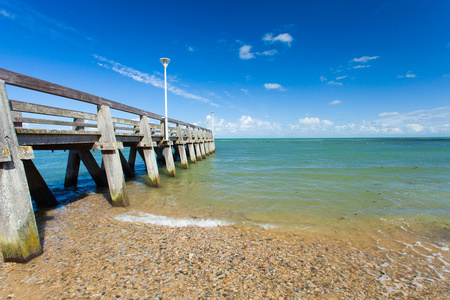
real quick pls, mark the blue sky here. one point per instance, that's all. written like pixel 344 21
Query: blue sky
pixel 266 68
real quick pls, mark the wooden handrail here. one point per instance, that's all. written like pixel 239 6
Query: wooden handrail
pixel 28 82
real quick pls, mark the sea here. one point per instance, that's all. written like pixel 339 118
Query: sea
pixel 349 188
pixel 389 196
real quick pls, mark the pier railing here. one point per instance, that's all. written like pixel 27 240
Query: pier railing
pixel 26 127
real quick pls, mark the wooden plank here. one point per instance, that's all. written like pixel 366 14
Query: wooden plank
pixel 28 82
pixel 125 121
pixel 50 111
pixel 55 122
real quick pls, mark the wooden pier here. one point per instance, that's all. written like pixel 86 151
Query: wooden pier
pixel 79 133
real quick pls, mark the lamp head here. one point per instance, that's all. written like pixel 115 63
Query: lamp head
pixel 164 61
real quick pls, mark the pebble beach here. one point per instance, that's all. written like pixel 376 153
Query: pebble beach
pixel 89 254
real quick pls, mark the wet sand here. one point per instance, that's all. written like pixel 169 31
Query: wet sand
pixel 88 254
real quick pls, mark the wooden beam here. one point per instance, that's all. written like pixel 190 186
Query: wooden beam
pixel 129 172
pixel 39 190
pixel 97 174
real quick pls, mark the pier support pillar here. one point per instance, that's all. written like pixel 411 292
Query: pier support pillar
pixel 19 235
pixel 147 152
pixel 207 150
pixel 111 158
pixel 202 149
pixel 168 155
pixel 192 153
pixel 198 154
pixel 73 169
pixel 183 156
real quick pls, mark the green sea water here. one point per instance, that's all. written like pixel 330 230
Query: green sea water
pixel 308 184
pixel 389 197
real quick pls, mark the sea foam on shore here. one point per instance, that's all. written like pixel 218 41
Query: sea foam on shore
pixel 141 217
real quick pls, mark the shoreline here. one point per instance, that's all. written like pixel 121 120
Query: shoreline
pixel 89 254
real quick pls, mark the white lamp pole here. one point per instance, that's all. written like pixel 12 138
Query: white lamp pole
pixel 165 63
pixel 212 122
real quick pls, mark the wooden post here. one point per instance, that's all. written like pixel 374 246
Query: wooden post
pixel 168 155
pixel 73 169
pixel 148 153
pixel 111 158
pixel 73 162
pixel 181 148
pixel 19 237
pixel 190 144
pixel 132 157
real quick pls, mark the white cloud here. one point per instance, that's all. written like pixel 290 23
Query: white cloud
pixel 190 49
pixel 33 20
pixel 268 53
pixel 364 59
pixel 274 86
pixel 361 66
pixel 323 79
pixel 388 114
pixel 148 79
pixel 6 14
pixel 245 91
pixel 332 82
pixel 284 38
pixel 335 102
pixel 244 52
pixel 409 74
pixel 415 127
pixel 315 122
pixel 341 77
pixel 245 125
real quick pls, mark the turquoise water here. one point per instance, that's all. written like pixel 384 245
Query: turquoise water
pixel 292 183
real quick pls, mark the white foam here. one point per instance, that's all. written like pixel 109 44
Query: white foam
pixel 267 226
pixel 140 217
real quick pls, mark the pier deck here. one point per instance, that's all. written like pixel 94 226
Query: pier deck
pixel 26 127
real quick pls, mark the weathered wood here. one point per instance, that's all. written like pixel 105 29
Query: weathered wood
pixel 50 111
pixel 54 122
pixel 132 157
pixel 111 159
pixel 198 154
pixel 19 237
pixel 97 174
pixel 20 80
pixel 73 169
pixel 127 170
pixel 39 190
pixel 202 150
pixel 125 122
pixel 183 157
pixel 170 165
pixel 148 153
pixel 192 153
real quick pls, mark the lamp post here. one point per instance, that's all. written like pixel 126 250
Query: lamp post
pixel 212 124
pixel 165 63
